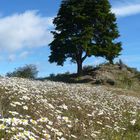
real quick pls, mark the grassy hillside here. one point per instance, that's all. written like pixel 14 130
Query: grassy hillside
pixel 118 75
pixel 35 110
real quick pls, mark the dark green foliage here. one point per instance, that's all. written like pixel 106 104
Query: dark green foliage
pixel 105 31
pixel 72 35
pixel 84 28
pixel 88 68
pixel 28 71
pixel 65 77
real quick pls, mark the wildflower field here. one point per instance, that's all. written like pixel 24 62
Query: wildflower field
pixel 35 110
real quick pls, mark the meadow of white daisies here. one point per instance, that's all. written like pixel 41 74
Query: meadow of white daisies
pixel 35 110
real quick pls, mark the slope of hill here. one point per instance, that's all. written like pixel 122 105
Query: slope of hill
pixel 117 75
pixel 48 110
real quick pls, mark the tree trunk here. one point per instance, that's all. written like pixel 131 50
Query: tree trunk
pixel 79 68
pixel 111 61
pixel 80 60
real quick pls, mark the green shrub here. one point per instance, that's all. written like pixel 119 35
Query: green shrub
pixel 52 75
pixel 88 68
pixel 28 71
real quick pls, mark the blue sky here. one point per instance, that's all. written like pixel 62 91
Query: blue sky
pixel 25 34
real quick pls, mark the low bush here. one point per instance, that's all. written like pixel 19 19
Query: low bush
pixel 28 71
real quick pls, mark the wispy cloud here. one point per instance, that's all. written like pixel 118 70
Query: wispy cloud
pixel 131 58
pixel 24 54
pixel 11 57
pixel 126 8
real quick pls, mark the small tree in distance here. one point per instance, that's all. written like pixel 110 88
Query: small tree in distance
pixel 27 71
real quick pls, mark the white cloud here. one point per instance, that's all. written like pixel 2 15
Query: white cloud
pixel 124 8
pixel 127 10
pixel 25 30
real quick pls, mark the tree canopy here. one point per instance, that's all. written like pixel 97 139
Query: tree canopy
pixel 105 30
pixel 82 29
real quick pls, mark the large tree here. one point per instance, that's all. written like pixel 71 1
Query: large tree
pixel 79 28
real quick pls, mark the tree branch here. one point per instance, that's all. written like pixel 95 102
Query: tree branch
pixel 84 57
